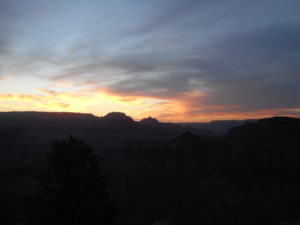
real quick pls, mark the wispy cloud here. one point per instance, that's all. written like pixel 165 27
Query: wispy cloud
pixel 50 100
pixel 192 59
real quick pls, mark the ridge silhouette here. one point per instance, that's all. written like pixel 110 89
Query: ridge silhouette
pixel 167 172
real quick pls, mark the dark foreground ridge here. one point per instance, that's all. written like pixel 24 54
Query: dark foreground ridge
pixel 26 136
pixel 163 172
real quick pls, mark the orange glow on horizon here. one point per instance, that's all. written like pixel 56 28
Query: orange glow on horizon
pixel 180 109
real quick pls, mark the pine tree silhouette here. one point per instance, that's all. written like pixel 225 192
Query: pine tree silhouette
pixel 74 187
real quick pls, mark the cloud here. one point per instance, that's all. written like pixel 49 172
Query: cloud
pixel 204 57
pixel 21 97
pixel 48 92
pixel 50 100
pixel 256 70
pixel 253 71
pixel 172 14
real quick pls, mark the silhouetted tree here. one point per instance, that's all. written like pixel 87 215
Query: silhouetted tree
pixel 73 188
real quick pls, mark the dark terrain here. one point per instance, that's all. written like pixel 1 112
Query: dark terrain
pixel 25 137
pixel 220 127
pixel 163 171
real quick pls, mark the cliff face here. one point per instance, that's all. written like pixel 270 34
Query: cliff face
pixel 45 119
pixel 268 147
pixel 276 131
pixel 249 176
pixel 30 134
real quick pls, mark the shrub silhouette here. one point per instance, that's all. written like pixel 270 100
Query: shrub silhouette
pixel 73 187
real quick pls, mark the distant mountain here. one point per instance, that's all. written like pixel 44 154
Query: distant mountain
pixel 33 132
pixel 219 126
pixel 117 117
pixel 163 171
pixel 45 119
pixel 149 121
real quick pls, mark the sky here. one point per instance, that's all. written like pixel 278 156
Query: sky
pixel 175 60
